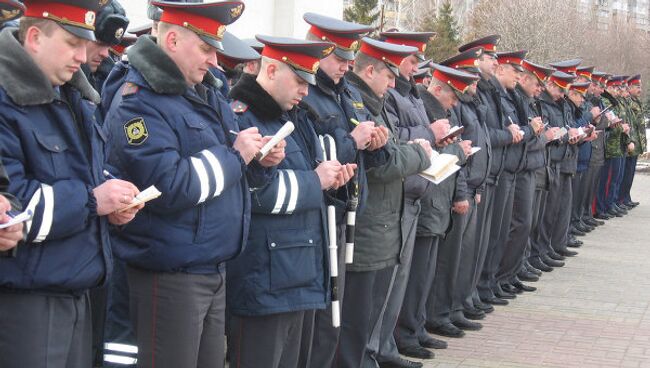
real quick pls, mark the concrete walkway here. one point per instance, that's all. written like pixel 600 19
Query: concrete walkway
pixel 594 312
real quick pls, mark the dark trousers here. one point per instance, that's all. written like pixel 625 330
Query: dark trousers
pixel 538 212
pixel 483 224
pixel 579 185
pixel 628 179
pixel 593 180
pixel 611 176
pixel 271 341
pixel 520 225
pixel 386 347
pixel 39 331
pixel 412 316
pixel 120 348
pixel 178 318
pixel 469 254
pixel 366 295
pixel 319 330
pixel 501 215
pixel 551 225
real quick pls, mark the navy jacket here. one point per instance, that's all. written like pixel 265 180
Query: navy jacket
pixel 52 150
pixel 334 105
pixel 495 120
pixel 177 138
pixel 284 266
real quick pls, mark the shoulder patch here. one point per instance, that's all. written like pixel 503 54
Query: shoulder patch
pixel 238 107
pixel 136 131
pixel 130 89
pixel 358 105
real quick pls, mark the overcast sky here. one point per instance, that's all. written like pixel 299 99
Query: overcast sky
pixel 136 10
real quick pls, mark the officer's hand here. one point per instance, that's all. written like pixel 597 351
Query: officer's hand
pixel 467 147
pixel 630 147
pixel 379 138
pixel 9 237
pixel 626 128
pixel 440 129
pixel 550 133
pixel 248 143
pixel 275 155
pixel 514 130
pixel 595 111
pixel 328 174
pixel 461 207
pixel 537 124
pixel 426 145
pixel 124 217
pixel 114 194
pixel 345 175
pixel 477 198
pixel 362 134
pixel 573 136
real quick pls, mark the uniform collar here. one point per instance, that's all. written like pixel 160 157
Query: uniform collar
pixel 434 109
pixel 326 84
pixel 260 102
pixel 24 81
pixel 405 87
pixel 373 103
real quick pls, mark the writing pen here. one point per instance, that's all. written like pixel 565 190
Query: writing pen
pixel 233 132
pixel 354 122
pixel 108 175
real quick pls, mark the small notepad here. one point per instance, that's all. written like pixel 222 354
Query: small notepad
pixel 145 196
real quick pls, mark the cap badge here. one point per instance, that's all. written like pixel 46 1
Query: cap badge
pixel 119 33
pixel 236 11
pixel 90 18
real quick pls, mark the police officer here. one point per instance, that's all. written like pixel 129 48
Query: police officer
pixel 52 149
pixel 378 235
pixel 637 137
pixel 337 105
pixel 281 275
pixel 428 296
pixel 554 226
pixel 169 128
pixel 529 88
pixel 404 105
pixel 470 186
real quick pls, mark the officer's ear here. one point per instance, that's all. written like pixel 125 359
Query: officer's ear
pixel 271 71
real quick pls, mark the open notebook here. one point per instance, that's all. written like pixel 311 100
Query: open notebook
pixel 443 165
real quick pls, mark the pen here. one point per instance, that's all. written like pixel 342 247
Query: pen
pixel 108 175
pixel 355 122
pixel 233 133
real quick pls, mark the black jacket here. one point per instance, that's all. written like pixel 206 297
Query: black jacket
pixel 500 137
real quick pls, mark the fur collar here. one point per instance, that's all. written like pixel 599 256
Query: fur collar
pixel 405 86
pixel 373 103
pixel 248 91
pixel 24 81
pixel 158 69
pixel 432 105
pixel 326 84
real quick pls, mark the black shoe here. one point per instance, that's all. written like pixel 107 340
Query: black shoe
pixel 523 287
pixel 555 256
pixel 417 352
pixel 582 227
pixel 485 307
pixel 474 314
pixel 576 232
pixel 495 301
pixel 567 253
pixel 447 329
pixel 528 276
pixel 509 288
pixel 432 343
pixel 537 263
pixel 467 325
pixel 502 294
pixel 602 216
pixel 552 263
pixel 624 207
pixel 614 212
pixel 400 363
pixel 574 243
pixel 632 204
pixel 531 269
pixel 594 222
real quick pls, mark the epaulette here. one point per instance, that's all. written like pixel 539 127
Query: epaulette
pixel 238 107
pixel 130 89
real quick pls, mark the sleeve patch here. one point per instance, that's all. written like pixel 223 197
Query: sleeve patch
pixel 130 89
pixel 358 105
pixel 136 131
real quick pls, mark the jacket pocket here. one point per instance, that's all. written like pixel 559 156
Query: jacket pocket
pixel 293 261
pixel 54 154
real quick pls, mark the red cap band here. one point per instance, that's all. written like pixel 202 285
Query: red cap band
pixel 348 44
pixel 196 23
pixel 62 13
pixel 421 46
pixel 378 54
pixel 299 61
pixel 456 84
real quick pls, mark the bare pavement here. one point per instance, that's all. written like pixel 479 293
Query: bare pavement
pixel 593 312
